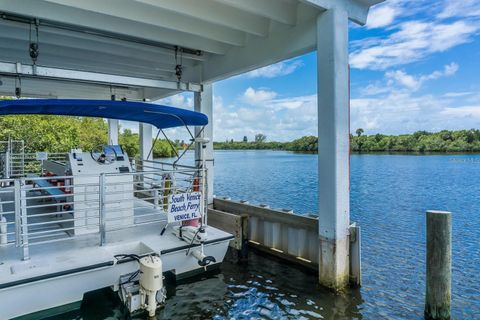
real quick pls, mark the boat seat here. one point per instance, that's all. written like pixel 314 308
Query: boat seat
pixel 58 194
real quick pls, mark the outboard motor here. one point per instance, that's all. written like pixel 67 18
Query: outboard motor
pixel 143 289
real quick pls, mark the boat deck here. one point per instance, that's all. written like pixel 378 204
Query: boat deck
pixel 65 265
pixel 84 251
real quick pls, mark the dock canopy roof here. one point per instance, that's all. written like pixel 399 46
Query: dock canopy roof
pixel 158 115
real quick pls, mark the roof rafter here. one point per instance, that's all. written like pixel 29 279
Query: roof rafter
pixel 81 18
pixel 261 52
pixel 128 10
pixel 357 9
pixel 213 12
pixel 277 10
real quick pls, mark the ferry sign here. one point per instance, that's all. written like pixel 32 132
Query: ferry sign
pixel 184 206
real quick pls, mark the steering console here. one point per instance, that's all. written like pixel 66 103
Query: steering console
pixel 103 154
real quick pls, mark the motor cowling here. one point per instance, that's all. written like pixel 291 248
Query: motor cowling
pixel 151 281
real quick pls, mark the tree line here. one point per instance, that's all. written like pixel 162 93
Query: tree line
pixel 61 134
pixel 420 142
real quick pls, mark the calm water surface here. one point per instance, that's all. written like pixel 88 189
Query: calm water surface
pixel 389 196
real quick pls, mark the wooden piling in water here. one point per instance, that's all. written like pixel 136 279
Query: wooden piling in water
pixel 438 265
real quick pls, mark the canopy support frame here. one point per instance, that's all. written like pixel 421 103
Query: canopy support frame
pixel 41 72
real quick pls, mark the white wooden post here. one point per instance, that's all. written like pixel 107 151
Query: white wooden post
pixel 112 131
pixel 145 131
pixel 333 148
pixel 203 102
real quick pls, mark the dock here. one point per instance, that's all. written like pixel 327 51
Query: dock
pixel 279 232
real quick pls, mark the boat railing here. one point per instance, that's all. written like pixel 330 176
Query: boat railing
pixel 37 210
pixel 19 164
pixel 158 164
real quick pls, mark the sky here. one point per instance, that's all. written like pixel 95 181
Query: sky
pixel 415 66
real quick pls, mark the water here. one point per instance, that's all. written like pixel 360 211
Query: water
pixel 389 196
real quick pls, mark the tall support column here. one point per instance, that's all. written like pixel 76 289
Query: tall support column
pixel 333 148
pixel 112 131
pixel 145 131
pixel 203 102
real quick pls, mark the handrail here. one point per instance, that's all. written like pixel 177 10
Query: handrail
pixel 40 214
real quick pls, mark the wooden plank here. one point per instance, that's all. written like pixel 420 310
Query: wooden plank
pixel 227 222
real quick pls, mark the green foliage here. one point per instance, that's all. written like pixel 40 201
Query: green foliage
pixel 61 134
pixel 53 133
pixel 129 142
pixel 260 137
pixel 420 141
pixel 163 149
pixel 304 144
pixel 241 145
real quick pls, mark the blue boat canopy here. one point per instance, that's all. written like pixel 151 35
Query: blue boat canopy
pixel 158 115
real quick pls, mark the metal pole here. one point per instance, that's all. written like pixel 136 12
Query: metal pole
pixel 439 265
pixel 204 176
pixel 16 184
pixel 101 186
pixel 24 219
pixel 7 165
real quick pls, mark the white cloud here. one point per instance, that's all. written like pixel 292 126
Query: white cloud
pixel 280 119
pixel 460 8
pixel 467 113
pixel 412 41
pixel 181 100
pixel 381 16
pixel 457 94
pixel 396 113
pixel 282 68
pixel 399 113
pixel 253 96
pixel 399 80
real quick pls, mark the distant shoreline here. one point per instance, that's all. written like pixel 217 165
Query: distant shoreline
pixel 420 142
pixel 369 153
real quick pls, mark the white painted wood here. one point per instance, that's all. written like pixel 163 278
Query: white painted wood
pixel 126 9
pixel 357 10
pixel 145 131
pixel 281 11
pixel 203 102
pixel 333 147
pixel 217 13
pixel 43 88
pixel 260 52
pixel 113 131
pixel 93 77
pixel 82 18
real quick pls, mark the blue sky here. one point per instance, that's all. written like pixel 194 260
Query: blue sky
pixel 414 66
